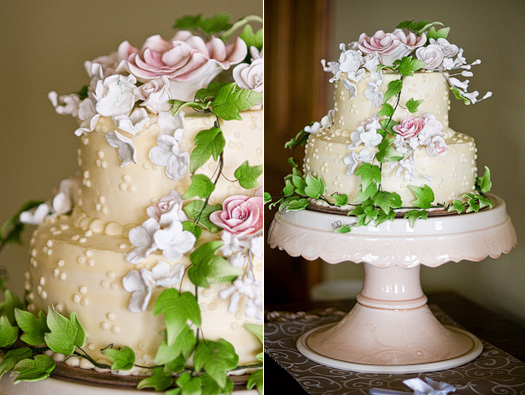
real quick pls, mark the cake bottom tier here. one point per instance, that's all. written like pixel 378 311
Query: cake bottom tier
pixel 79 271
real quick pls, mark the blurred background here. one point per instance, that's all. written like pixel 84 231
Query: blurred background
pixel 299 33
pixel 45 44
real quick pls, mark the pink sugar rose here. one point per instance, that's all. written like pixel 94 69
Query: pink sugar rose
pixel 437 146
pixel 409 127
pixel 241 215
pixel 187 61
pixel 390 46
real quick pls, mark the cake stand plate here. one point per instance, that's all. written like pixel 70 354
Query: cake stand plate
pixel 391 329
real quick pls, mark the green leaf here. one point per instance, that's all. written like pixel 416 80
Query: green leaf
pixel 387 153
pixel 483 184
pixel 300 185
pixel 188 22
pixel 193 228
pixel 393 89
pixel 247 175
pixel 178 105
pixel 473 206
pixel 8 306
pixel 216 358
pixel 256 379
pixel 34 328
pixel 413 215
pixel 413 105
pixel 343 229
pixel 208 143
pixel 267 197
pixel 189 385
pixel 66 334
pixel 11 229
pixel 292 162
pixel 340 199
pixel 485 201
pixel 369 174
pixel 424 196
pixel 289 188
pixel 208 94
pixel 178 309
pixel 183 345
pixel 257 330
pixel 386 110
pixel 176 366
pixel 215 24
pixel 210 387
pixel 388 125
pixel 122 359
pixel 408 65
pixel 441 33
pixel 12 357
pixel 196 207
pixel 200 186
pixel 295 204
pixel 457 206
pixel 35 369
pixel 231 99
pixel 459 96
pixel 8 333
pixel 300 139
pixel 209 268
pixel 384 216
pixel 370 192
pixel 252 39
pixel 387 200
pixel 314 186
pixel 159 380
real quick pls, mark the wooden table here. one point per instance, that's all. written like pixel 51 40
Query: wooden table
pixel 483 323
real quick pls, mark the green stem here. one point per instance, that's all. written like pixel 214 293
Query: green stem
pixel 240 23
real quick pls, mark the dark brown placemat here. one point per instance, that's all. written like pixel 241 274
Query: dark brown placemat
pixel 493 372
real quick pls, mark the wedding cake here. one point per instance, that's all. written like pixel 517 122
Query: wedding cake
pixel 149 261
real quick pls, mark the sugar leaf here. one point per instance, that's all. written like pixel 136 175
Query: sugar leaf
pixel 208 143
pixel 483 184
pixel 485 201
pixel 122 359
pixel 257 330
pixel 215 24
pixel 247 175
pixel 369 193
pixel 200 186
pixel 231 99
pixel 289 188
pixel 388 125
pixel 458 95
pixel 35 369
pixel 387 153
pixel 408 65
pixel 177 309
pixel 314 186
pixel 188 22
pixel 424 196
pixel 387 200
pixel 369 174
pixel 413 105
pixel 393 89
pixel 183 345
pixel 66 334
pixel 210 387
pixel 8 306
pixel 11 229
pixel 8 333
pixel 215 358
pixel 178 105
pixel 457 206
pixel 188 384
pixel 34 328
pixel 386 110
pixel 340 199
pixel 441 33
pixel 343 229
pixel 197 209
pixel 209 268
pixel 209 93
pixel 256 379
pixel 193 228
pixel 413 215
pixel 12 357
pixel 159 380
pixel 267 197
pixel 300 184
pixel 176 366
pixel 294 203
pixel 252 39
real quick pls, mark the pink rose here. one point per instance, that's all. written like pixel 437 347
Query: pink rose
pixel 409 127
pixel 437 146
pixel 391 46
pixel 241 215
pixel 187 61
pixel 432 128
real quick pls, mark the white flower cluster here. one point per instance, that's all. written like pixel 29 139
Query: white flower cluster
pixel 353 64
pixel 141 283
pixel 365 135
pixel 251 289
pixel 163 231
pixel 61 203
pixel 326 122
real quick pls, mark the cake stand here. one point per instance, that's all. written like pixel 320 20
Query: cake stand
pixel 391 329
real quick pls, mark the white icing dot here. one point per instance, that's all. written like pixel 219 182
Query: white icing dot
pixel 123 187
pixel 104 210
pixel 88 233
pixel 75 237
pixel 49 252
pixel 44 295
pixel 104 164
pixel 100 154
pixel 91 262
pixel 110 275
pixel 131 188
pixel 111 316
pixel 104 325
pixel 114 286
pixel 82 289
pixel 59 308
pixel 212 306
pixel 63 276
pixel 82 240
pixel 122 246
pixel 50 242
pixel 81 260
pixel 91 347
pixel 85 301
pixel 76 298
pixel 42 281
pixel 104 283
pixel 126 179
pixel 115 329
pixel 56 272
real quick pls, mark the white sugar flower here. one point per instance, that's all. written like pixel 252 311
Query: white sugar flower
pixel 156 94
pixel 349 61
pixel 449 50
pixel 66 104
pixel 172 124
pixel 126 149
pixel 238 259
pixel 407 167
pixel 351 162
pixel 174 241
pixel 313 128
pixel 374 94
pixel 35 216
pixel 332 67
pixel 232 244
pixel 168 209
pixel 88 115
pixel 326 122
pixel 432 55
pixel 370 62
pixel 365 156
pixel 165 276
pixel 138 284
pixel 167 153
pixel 352 88
pixel 114 95
pixel 105 66
pixel 141 237
pixel 371 138
pixel 132 123
pixel 257 246
pixel 249 288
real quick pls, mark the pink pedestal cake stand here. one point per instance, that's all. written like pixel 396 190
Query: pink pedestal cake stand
pixel 391 329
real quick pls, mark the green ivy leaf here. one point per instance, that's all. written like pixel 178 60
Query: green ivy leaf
pixel 369 174
pixel 8 333
pixel 12 357
pixel 370 192
pixel 413 105
pixel 343 229
pixel 340 199
pixel 66 334
pixel 247 175
pixel 34 328
pixel 314 186
pixel 387 153
pixel 384 216
pixel 256 379
pixel 413 215
pixel 388 125
pixel 424 196
pixel 215 24
pixel 122 359
pixel 393 89
pixel 483 184
pixel 485 202
pixel 8 306
pixel 210 387
pixel 206 95
pixel 257 330
pixel 458 95
pixel 408 65
pixel 200 186
pixel 208 143
pixel 292 162
pixel 183 345
pixel 267 197
pixel 177 309
pixel 300 139
pixel 289 188
pixel 216 358
pixel 457 206
pixel 386 110
pixel 159 380
pixel 231 99
pixel 387 201
pixel 294 203
pixel 300 184
pixel 441 33
pixel 473 206
pixel 193 228
pixel 188 385
pixel 176 366
pixel 178 105
pixel 188 22
pixel 252 39
pixel 35 369
pixel 195 207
